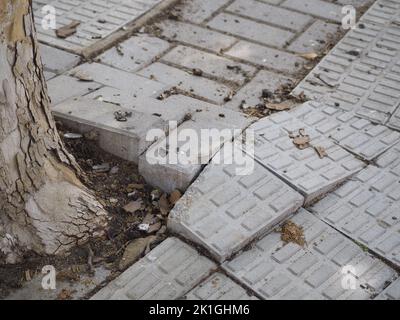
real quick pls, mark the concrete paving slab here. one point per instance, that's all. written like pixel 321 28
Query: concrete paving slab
pixel 98 20
pixel 57 61
pixel 197 11
pixel 318 8
pixel 304 170
pixel 366 209
pixel 223 210
pixel 219 287
pixel 357 135
pixel 168 272
pixel 211 65
pixel 135 53
pixel 390 159
pixel 126 140
pixel 319 270
pixel 391 293
pixel 362 73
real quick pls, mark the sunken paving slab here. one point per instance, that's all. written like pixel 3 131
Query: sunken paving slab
pixel 304 170
pixel 319 270
pixel 226 208
pixel 391 293
pixel 126 140
pixel 135 53
pixel 168 272
pixel 362 73
pixel 355 134
pixel 219 287
pixel 170 168
pixel 366 209
pixel 98 19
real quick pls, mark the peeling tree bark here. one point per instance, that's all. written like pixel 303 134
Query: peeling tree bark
pixel 43 205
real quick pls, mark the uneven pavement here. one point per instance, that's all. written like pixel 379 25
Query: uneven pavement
pixel 202 65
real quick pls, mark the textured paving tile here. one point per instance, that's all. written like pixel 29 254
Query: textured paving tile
pixel 367 210
pixel 183 80
pixel 211 65
pixel 362 73
pixel 98 18
pixel 302 169
pixel 251 92
pixel 391 293
pixel 251 30
pixel 276 270
pixel 64 87
pixel 126 140
pixel 351 132
pixel 219 287
pixel 390 159
pixel 168 272
pixel 57 61
pixel 224 211
pixel 135 53
pixel 394 121
pixel 195 35
pixel 314 38
pixel 267 57
pixel 198 11
pixel 270 14
pixel 317 8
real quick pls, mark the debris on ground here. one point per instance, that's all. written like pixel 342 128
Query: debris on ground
pixel 230 96
pixel 122 116
pixel 292 233
pixel 81 76
pixel 197 72
pixel 167 93
pixel 101 168
pixel 321 151
pixel 68 30
pixel 300 140
pixel 133 206
pixel 174 197
pixel 134 251
pixel 70 135
pixel 65 294
pixel 309 56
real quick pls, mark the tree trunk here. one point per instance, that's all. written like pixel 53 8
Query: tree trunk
pixel 43 205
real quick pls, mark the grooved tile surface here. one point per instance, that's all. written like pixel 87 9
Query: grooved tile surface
pixel 276 270
pixel 303 169
pixel 362 73
pixel 225 209
pixel 391 293
pixel 367 210
pixel 168 272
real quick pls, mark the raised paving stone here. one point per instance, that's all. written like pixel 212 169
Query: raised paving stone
pixel 183 80
pixel 135 53
pixel 367 210
pixel 391 293
pixel 286 271
pixel 160 159
pixel 390 159
pixel 267 57
pixel 270 14
pixel 212 65
pixel 315 38
pixel 98 18
pixel 219 287
pixel 64 87
pixel 394 121
pixel 108 76
pixel 317 8
pixel 226 208
pixel 167 273
pixel 57 61
pixel 251 30
pixel 126 140
pixel 250 94
pixel 196 36
pixel 197 11
pixel 362 73
pixel 351 132
pixel 302 169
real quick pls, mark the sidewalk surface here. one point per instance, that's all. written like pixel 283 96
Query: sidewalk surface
pixel 207 64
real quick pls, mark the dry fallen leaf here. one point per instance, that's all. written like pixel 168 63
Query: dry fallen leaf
pixel 309 56
pixel 321 152
pixel 133 206
pixel 302 142
pixel 292 233
pixel 81 76
pixel 164 204
pixel 65 294
pixel 280 106
pixel 68 30
pixel 175 196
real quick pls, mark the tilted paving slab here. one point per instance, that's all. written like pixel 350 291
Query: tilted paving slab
pixel 168 272
pixel 126 140
pixel 169 169
pixel 211 65
pixel 98 20
pixel 219 287
pixel 391 293
pixel 183 80
pixel 226 208
pixel 303 169
pixel 362 73
pixel 57 61
pixel 366 209
pixel 355 134
pixel 319 270
pixel 390 159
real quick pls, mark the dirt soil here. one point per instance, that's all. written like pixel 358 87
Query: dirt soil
pixel 292 233
pixel 116 183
